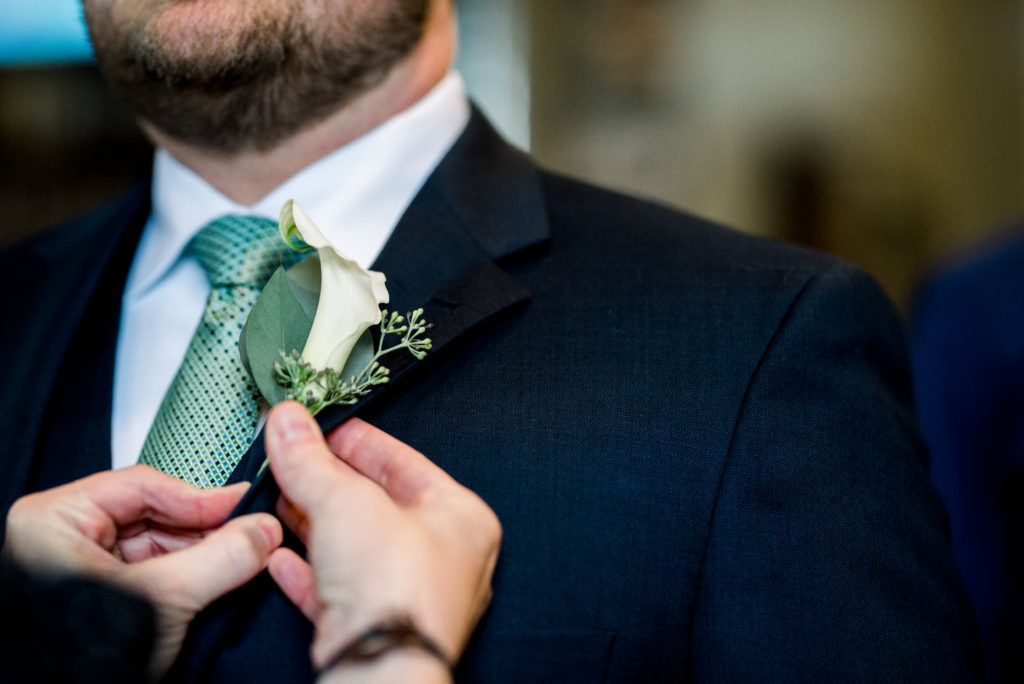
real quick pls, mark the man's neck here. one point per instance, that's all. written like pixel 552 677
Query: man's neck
pixel 248 176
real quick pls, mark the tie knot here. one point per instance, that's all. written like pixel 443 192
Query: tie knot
pixel 240 250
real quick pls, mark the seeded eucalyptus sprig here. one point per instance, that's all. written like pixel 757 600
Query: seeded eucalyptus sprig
pixel 411 331
pixel 317 389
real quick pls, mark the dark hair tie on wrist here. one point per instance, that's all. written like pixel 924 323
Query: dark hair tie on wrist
pixel 383 637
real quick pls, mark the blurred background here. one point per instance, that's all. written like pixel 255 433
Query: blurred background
pixel 890 133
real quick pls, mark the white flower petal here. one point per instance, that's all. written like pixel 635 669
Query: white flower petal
pixel 347 307
pixel 350 296
pixel 291 212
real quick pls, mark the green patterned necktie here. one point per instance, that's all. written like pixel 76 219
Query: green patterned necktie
pixel 208 416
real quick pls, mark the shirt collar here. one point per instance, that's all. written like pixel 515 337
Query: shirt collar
pixel 355 194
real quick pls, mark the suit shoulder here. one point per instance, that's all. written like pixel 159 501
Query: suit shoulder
pixel 608 248
pixel 83 230
pixel 604 218
pixel 49 265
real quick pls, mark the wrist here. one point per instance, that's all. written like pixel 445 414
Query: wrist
pixel 400 665
pixel 393 649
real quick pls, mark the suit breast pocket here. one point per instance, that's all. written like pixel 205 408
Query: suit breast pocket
pixel 541 656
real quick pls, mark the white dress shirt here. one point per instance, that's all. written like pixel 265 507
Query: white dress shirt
pixel 355 195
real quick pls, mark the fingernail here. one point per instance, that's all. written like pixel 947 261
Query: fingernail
pixel 295 423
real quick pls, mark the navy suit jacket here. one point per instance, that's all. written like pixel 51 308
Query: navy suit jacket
pixel 700 443
pixel 967 347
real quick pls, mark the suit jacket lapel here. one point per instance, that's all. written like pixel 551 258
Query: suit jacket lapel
pixel 442 255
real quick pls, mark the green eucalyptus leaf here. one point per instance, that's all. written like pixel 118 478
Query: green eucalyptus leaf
pixel 304 280
pixel 241 348
pixel 277 322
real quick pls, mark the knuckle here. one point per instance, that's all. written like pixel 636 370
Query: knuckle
pixel 24 507
pixel 491 527
pixel 17 511
pixel 242 548
pixel 237 550
pixel 23 515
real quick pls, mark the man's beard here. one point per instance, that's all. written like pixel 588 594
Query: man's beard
pixel 232 79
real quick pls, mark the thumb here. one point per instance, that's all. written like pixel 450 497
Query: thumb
pixel 304 468
pixel 184 582
pixel 225 559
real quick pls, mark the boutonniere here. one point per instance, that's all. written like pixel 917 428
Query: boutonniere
pixel 325 306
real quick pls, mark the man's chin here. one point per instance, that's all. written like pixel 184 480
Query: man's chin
pixel 202 71
pixel 187 42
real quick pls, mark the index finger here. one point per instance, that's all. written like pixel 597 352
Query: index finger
pixel 141 492
pixel 404 473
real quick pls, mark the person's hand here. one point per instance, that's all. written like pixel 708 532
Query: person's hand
pixel 387 532
pixel 147 533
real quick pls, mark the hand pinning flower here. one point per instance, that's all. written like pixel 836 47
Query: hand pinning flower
pixel 325 305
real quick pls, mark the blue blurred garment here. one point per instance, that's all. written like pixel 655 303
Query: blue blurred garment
pixel 968 357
